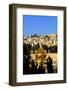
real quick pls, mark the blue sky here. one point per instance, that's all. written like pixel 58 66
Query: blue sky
pixel 39 25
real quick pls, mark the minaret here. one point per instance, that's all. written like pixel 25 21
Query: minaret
pixel 48 53
pixel 40 44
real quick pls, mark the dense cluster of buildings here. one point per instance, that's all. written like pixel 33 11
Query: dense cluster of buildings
pixel 49 40
pixel 40 60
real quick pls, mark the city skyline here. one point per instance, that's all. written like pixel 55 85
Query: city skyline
pixel 39 25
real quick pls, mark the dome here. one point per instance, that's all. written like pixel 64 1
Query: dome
pixel 41 53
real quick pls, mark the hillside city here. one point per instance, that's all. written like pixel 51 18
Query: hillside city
pixel 39 49
pixel 49 40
